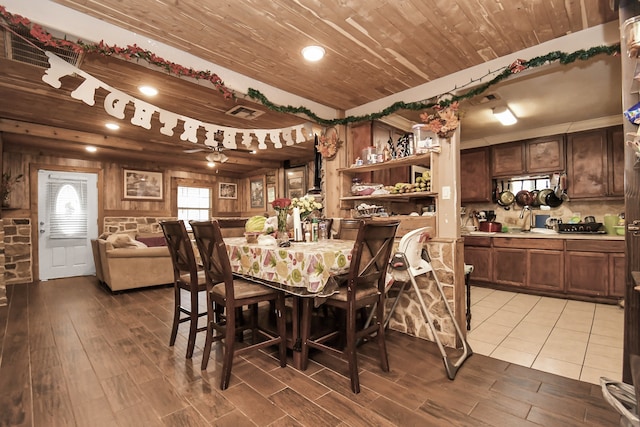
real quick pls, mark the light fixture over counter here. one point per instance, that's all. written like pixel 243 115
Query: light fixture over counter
pixel 504 114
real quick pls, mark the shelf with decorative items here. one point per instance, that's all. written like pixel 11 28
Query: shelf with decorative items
pixel 356 194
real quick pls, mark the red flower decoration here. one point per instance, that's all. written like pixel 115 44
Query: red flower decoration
pixel 281 203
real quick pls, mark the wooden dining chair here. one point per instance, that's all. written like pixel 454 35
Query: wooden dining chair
pixel 187 277
pixel 348 229
pixel 225 289
pixel 362 286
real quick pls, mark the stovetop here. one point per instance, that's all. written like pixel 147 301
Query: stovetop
pixel 582 228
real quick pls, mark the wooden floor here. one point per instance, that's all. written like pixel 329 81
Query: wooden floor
pixel 74 354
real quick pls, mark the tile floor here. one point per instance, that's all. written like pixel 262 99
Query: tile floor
pixel 574 339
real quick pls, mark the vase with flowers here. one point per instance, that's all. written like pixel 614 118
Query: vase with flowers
pixel 306 205
pixel 6 186
pixel 282 207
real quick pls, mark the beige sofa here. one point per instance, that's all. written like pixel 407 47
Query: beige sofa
pixel 130 267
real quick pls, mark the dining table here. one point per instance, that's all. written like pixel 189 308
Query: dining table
pixel 302 270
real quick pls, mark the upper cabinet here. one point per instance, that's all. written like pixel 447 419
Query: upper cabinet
pixel 595 163
pixel 475 182
pixel 535 156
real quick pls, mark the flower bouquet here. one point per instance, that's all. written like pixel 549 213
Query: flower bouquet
pixel 306 204
pixel 443 121
pixel 281 206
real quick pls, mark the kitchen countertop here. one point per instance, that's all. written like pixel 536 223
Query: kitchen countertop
pixel 546 235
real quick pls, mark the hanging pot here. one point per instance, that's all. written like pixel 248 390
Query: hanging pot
pixel 552 200
pixel 524 198
pixel 535 202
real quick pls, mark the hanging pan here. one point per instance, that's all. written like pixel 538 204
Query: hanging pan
pixel 552 200
pixel 506 198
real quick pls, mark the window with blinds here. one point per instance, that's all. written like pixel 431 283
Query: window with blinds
pixel 194 203
pixel 67 204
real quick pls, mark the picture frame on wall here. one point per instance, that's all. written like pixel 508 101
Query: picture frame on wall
pixel 142 185
pixel 227 190
pixel 256 188
pixel 296 182
pixel 271 193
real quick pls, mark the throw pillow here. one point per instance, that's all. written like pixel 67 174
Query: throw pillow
pixel 152 241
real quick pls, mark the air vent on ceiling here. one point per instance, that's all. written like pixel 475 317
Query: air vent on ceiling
pixel 25 48
pixel 244 112
pixel 478 100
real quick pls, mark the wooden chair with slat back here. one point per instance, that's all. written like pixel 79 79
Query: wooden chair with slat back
pixel 188 277
pixel 348 229
pixel 224 289
pixel 363 286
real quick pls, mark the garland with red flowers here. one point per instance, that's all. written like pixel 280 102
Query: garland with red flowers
pixel 130 52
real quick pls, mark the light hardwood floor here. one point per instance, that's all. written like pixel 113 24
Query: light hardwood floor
pixel 72 353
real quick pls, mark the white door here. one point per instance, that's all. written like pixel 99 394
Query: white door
pixel 67 221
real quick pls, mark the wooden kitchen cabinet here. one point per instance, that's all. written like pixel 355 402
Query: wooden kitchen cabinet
pixel 475 181
pixel 535 156
pixel 477 252
pixel 616 161
pixel 545 269
pixel 507 160
pixel 595 164
pixel 529 263
pixel 545 155
pixel 590 267
pixel 617 275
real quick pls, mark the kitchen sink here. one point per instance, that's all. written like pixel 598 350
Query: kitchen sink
pixel 543 231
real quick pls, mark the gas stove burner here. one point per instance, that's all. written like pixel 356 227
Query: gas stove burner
pixel 581 227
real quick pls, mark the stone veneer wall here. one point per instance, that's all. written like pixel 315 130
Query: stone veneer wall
pixel 118 224
pixel 18 259
pixel 3 283
pixel 408 316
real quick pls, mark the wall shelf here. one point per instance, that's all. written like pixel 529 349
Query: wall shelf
pixel 403 196
pixel 418 159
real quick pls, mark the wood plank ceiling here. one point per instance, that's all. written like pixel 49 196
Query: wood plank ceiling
pixel 374 49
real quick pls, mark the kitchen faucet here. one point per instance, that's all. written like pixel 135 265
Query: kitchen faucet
pixel 527 208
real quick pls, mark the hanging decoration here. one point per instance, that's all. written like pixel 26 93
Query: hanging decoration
pixel 130 52
pixel 500 75
pixel 328 143
pixel 116 101
pixel 135 52
pixel 443 121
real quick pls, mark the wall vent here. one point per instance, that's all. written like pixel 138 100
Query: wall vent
pixel 244 112
pixel 21 48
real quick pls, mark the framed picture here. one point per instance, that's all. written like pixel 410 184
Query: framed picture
pixel 227 190
pixel 256 186
pixel 142 185
pixel 416 171
pixel 296 182
pixel 271 193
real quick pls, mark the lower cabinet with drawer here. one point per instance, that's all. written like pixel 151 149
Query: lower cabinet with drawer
pixel 529 263
pixel 591 267
pixel 582 269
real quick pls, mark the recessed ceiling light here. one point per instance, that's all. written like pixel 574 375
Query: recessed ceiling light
pixel 112 126
pixel 91 148
pixel 148 90
pixel 313 53
pixel 211 164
